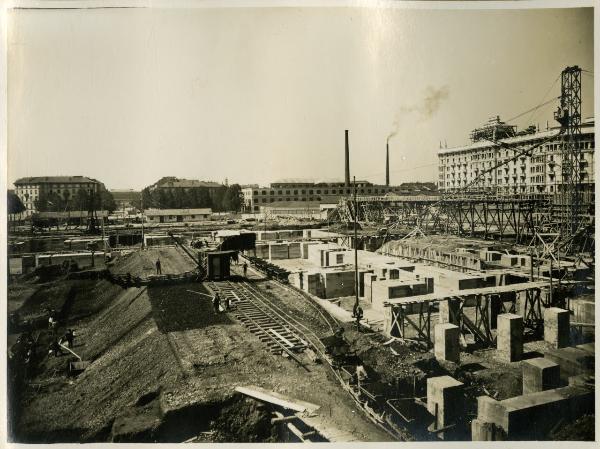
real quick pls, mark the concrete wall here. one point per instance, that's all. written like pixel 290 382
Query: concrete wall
pixel 278 251
pixel 532 416
pixel 82 259
pixel 385 289
pixel 339 283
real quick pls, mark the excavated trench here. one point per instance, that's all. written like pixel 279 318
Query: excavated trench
pixel 234 419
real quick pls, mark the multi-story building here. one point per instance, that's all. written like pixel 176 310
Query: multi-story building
pixel 171 184
pixel 29 189
pixel 478 167
pixel 319 192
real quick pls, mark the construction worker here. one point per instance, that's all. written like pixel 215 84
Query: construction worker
pixel 55 348
pixel 245 267
pixel 358 314
pixel 69 337
pixel 158 267
pixel 301 277
pixel 227 303
pixel 216 302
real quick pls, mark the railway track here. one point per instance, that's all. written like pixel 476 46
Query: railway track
pixel 272 328
pixel 258 312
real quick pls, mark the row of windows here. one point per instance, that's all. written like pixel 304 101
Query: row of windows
pixel 478 154
pixel 318 192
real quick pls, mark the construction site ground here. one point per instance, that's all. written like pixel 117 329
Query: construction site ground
pixel 164 365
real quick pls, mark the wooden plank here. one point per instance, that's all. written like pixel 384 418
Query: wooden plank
pixel 467 293
pixel 282 338
pixel 277 399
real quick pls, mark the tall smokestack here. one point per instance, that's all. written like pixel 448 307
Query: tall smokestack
pixel 387 164
pixel 347 181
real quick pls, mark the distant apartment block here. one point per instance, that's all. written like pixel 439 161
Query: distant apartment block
pixel 29 189
pixel 540 173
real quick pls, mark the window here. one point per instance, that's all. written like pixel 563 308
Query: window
pixel 339 258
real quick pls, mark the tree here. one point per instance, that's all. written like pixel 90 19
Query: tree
pixel 232 200
pixel 14 205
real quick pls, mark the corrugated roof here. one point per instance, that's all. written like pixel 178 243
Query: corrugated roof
pixel 54 180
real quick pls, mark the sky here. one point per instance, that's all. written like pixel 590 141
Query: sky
pixel 254 95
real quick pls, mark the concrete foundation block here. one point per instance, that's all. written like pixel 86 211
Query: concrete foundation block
pixel 556 327
pixel 446 344
pixel 540 374
pixel 445 401
pixel 584 311
pixel 486 431
pixel 449 309
pixel 572 361
pixel 510 337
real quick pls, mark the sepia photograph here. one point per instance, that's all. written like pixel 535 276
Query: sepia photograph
pixel 298 222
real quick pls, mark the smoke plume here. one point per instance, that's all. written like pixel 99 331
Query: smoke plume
pixel 426 108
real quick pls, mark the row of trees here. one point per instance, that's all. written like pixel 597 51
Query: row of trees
pixel 220 199
pixel 82 200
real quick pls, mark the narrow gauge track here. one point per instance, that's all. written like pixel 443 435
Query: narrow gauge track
pixel 255 306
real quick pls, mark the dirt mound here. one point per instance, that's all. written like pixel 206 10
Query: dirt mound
pixel 130 358
pixel 143 263
pixel 183 307
pixel 245 420
pixel 582 429
pixel 390 362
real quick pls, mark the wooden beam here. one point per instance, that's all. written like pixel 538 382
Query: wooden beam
pixel 277 399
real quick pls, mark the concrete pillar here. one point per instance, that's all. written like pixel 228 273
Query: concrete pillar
pixel 486 431
pixel 445 401
pixel 540 374
pixel 446 344
pixel 491 417
pixel 556 327
pixel 446 307
pixel 510 337
pixel 494 307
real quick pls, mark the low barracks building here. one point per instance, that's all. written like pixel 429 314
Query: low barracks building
pixel 539 174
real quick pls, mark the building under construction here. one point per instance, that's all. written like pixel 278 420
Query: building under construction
pixel 465 315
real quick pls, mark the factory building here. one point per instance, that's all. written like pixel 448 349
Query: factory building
pixel 540 173
pixel 29 189
pixel 302 191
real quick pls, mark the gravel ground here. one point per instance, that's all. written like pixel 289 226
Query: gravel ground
pixel 168 339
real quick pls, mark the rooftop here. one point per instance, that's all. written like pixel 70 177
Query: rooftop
pixel 168 182
pixel 54 180
pixel 587 125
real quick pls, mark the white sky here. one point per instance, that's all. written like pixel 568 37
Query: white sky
pixel 254 95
